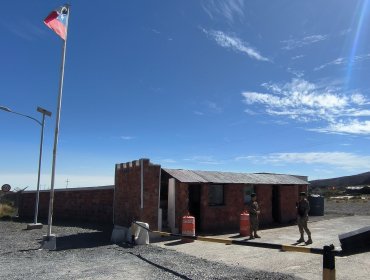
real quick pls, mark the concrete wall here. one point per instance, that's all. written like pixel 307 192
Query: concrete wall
pixel 137 193
pixel 83 204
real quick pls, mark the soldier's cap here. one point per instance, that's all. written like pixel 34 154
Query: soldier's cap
pixel 253 194
pixel 302 194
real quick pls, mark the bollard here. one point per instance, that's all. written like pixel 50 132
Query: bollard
pixel 328 272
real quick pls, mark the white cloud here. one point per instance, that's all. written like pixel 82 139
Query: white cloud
pixel 303 101
pixel 213 107
pixel 297 73
pixel 25 30
pixel 344 61
pixel 291 44
pixel 342 160
pixel 127 137
pixel 204 160
pixel 198 113
pixel 297 57
pixel 349 127
pixel 234 43
pixel 230 9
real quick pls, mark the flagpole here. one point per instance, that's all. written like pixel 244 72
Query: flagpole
pixel 59 105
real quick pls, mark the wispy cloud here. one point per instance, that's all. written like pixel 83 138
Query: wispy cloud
pixel 25 30
pixel 342 160
pixel 291 44
pixel 296 73
pixel 214 107
pixel 347 127
pixel 231 9
pixel 303 101
pixel 198 113
pixel 298 57
pixel 204 160
pixel 234 43
pixel 127 137
pixel 344 61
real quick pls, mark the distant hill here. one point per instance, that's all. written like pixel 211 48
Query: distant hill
pixel 354 180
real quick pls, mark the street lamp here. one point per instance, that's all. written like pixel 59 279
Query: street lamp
pixel 47 113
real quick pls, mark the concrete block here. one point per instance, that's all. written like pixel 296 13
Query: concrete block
pixel 119 234
pixel 34 226
pixel 356 241
pixel 49 242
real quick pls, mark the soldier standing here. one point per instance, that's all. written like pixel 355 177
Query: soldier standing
pixel 303 207
pixel 254 213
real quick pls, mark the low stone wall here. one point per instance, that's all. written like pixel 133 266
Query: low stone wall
pixel 93 204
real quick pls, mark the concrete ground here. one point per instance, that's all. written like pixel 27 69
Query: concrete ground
pixel 303 265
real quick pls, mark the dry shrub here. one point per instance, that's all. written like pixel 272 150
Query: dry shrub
pixel 6 210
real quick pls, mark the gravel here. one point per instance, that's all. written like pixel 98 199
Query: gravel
pixel 85 252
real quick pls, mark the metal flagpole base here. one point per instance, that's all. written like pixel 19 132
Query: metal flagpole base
pixel 34 226
pixel 49 242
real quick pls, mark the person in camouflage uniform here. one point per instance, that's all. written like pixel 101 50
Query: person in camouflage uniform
pixel 254 213
pixel 303 207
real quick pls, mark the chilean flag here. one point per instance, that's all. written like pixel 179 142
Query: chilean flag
pixel 57 21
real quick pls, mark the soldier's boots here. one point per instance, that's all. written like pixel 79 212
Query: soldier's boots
pixel 256 236
pixel 309 241
pixel 300 240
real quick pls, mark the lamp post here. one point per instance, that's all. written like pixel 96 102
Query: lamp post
pixel 47 113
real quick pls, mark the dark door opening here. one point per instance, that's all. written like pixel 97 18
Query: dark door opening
pixel 276 204
pixel 194 204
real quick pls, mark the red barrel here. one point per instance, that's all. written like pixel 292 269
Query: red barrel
pixel 188 227
pixel 245 224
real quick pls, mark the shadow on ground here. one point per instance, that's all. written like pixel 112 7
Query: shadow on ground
pixel 83 240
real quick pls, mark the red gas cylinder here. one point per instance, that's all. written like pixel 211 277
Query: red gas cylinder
pixel 188 227
pixel 245 224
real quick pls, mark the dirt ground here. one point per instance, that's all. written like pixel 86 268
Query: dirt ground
pixel 359 207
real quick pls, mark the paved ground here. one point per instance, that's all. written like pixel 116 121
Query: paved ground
pixel 307 266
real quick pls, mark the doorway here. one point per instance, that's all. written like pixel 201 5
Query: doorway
pixel 194 203
pixel 276 215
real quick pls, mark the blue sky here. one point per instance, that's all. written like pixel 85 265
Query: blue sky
pixel 244 86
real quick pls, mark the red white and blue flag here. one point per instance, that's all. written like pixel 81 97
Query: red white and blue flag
pixel 57 21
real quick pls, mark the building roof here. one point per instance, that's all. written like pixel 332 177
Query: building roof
pixel 194 176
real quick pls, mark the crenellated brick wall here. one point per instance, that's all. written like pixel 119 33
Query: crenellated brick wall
pixel 127 200
pixel 93 204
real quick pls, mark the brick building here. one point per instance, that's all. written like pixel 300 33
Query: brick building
pixel 161 196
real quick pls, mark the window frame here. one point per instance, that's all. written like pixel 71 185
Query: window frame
pixel 211 193
pixel 248 189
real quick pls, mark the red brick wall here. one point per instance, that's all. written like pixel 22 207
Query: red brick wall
pixel 181 203
pixel 288 199
pixel 127 201
pixel 222 217
pixel 227 216
pixel 264 199
pixel 84 204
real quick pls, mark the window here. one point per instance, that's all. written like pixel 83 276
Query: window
pixel 215 195
pixel 247 191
